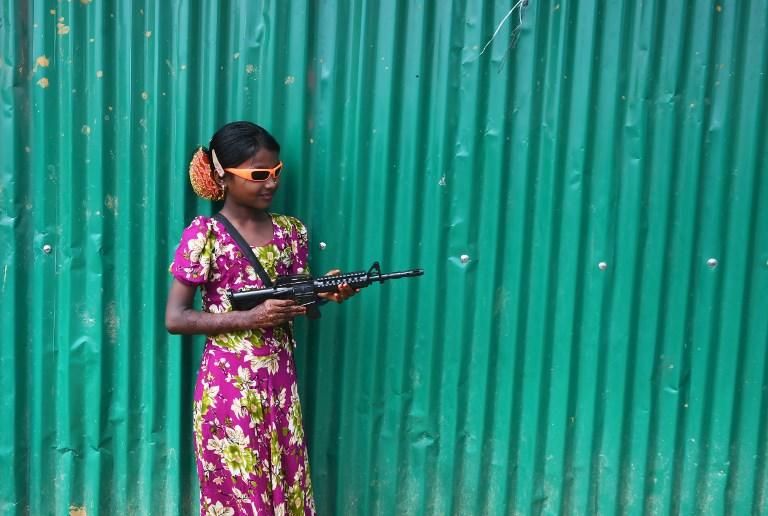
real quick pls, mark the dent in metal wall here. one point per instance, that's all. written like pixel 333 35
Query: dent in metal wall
pixel 587 195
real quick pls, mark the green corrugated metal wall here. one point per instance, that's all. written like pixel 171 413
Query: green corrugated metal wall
pixel 602 169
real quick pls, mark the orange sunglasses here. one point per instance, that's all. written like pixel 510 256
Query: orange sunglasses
pixel 257 174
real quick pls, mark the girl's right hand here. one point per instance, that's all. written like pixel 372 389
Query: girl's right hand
pixel 274 312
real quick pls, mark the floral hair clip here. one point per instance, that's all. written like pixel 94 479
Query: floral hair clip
pixel 201 176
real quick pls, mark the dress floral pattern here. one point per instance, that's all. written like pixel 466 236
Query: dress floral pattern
pixel 249 438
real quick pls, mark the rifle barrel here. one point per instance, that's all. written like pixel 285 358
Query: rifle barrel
pixel 396 275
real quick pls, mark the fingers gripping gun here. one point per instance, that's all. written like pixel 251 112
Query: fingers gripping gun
pixel 304 289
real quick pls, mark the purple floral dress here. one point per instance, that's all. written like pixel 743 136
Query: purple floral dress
pixel 249 438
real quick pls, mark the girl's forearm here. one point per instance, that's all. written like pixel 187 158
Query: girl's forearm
pixel 193 322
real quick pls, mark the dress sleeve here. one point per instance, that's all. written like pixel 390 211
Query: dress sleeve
pixel 193 258
pixel 300 245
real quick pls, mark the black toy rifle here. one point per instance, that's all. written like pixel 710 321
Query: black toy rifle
pixel 304 289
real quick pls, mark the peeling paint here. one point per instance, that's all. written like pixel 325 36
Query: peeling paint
pixel 42 61
pixel 62 28
pixel 502 301
pixel 43 83
pixel 88 320
pixel 75 510
pixel 289 80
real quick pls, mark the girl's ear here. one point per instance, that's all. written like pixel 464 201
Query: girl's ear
pixel 223 182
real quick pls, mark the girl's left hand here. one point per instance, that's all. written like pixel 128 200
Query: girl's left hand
pixel 344 291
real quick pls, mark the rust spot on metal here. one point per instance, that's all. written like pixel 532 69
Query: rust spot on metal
pixel 111 203
pixel 112 322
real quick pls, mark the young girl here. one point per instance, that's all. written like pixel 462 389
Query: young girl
pixel 249 440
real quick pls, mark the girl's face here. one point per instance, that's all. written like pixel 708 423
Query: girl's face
pixel 253 194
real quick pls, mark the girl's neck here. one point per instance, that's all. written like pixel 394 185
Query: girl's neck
pixel 244 214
